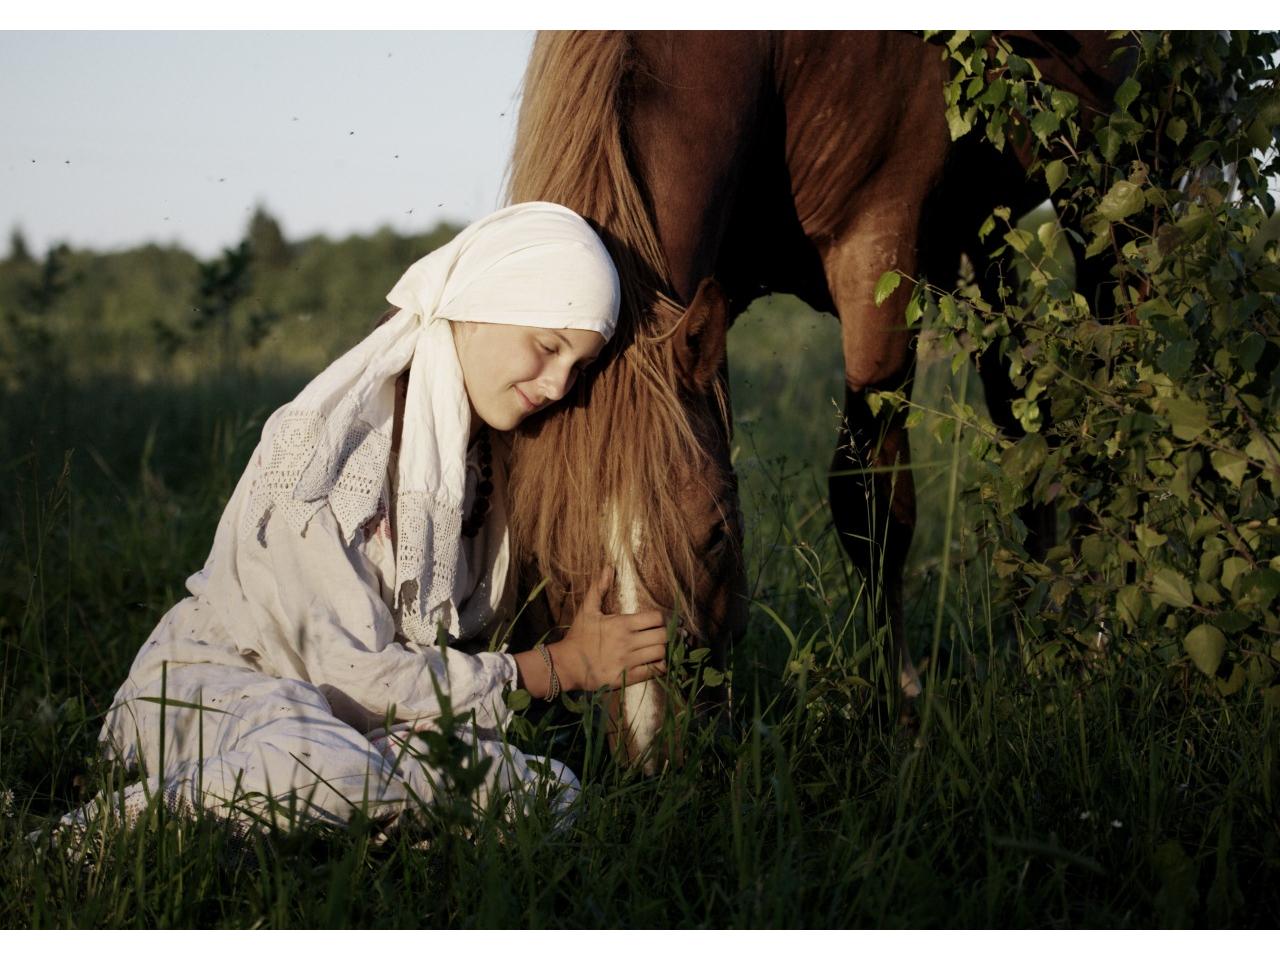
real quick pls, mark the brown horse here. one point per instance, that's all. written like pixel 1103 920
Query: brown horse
pixel 808 163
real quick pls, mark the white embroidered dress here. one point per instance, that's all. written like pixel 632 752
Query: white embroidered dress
pixel 284 692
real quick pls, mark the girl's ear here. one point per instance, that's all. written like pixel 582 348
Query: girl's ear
pixel 699 340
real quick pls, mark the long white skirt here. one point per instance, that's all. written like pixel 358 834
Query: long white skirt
pixel 259 750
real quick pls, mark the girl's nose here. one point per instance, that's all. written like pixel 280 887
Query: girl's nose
pixel 556 384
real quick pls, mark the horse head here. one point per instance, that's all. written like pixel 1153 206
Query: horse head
pixel 635 472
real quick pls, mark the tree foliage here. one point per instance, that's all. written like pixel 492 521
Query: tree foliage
pixel 265 305
pixel 1153 420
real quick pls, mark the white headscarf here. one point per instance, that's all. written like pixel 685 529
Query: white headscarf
pixel 533 264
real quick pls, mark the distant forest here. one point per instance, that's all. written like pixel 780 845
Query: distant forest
pixel 160 313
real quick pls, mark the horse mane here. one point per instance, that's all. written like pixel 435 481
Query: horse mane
pixel 625 436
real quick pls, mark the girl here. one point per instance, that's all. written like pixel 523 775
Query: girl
pixel 289 686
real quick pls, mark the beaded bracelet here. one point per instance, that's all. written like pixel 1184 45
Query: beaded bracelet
pixel 555 680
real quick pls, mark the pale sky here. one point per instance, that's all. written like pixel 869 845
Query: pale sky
pixel 114 139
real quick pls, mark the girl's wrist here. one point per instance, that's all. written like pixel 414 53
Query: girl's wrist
pixel 564 666
pixel 531 673
pixel 533 670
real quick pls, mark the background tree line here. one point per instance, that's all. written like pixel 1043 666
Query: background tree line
pixel 156 311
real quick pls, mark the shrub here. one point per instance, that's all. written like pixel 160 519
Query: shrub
pixel 1154 425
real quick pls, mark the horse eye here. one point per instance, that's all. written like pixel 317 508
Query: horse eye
pixel 717 537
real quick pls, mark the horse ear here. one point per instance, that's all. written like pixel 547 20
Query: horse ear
pixel 699 340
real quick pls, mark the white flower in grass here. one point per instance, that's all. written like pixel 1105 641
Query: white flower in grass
pixel 6 804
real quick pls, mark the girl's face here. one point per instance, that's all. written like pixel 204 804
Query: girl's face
pixel 511 372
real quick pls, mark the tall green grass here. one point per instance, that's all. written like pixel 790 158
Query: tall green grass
pixel 1104 798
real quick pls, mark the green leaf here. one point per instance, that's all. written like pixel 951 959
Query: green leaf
pixel 1249 349
pixel 1126 93
pixel 1203 152
pixel 1101 240
pixel 1207 593
pixel 1094 550
pixel 1176 128
pixel 1232 568
pixel 1064 104
pixel 1019 239
pixel 1188 417
pixel 1233 683
pixel 1259 587
pixel 1194 223
pixel 1230 465
pixel 1148 539
pixel 947 310
pixel 712 677
pixel 1110 141
pixel 959 124
pixel 1044 124
pixel 1176 359
pixel 914 310
pixel 1055 171
pixel 1171 587
pixel 995 93
pixel 1205 645
pixel 885 286
pixel 1262 448
pixel 1129 605
pixel 1023 459
pixel 518 699
pixel 1124 199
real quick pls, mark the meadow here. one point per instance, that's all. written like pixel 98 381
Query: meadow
pixel 1026 795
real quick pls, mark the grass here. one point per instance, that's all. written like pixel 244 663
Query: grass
pixel 1108 798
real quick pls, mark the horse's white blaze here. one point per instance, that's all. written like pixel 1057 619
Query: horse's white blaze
pixel 641 702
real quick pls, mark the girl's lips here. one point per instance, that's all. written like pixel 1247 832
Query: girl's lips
pixel 525 400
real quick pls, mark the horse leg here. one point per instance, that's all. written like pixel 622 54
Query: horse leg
pixel 870 486
pixel 873 505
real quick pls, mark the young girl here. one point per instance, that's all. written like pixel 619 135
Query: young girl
pixel 289 685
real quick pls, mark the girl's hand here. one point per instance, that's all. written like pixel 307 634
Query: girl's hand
pixel 606 649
